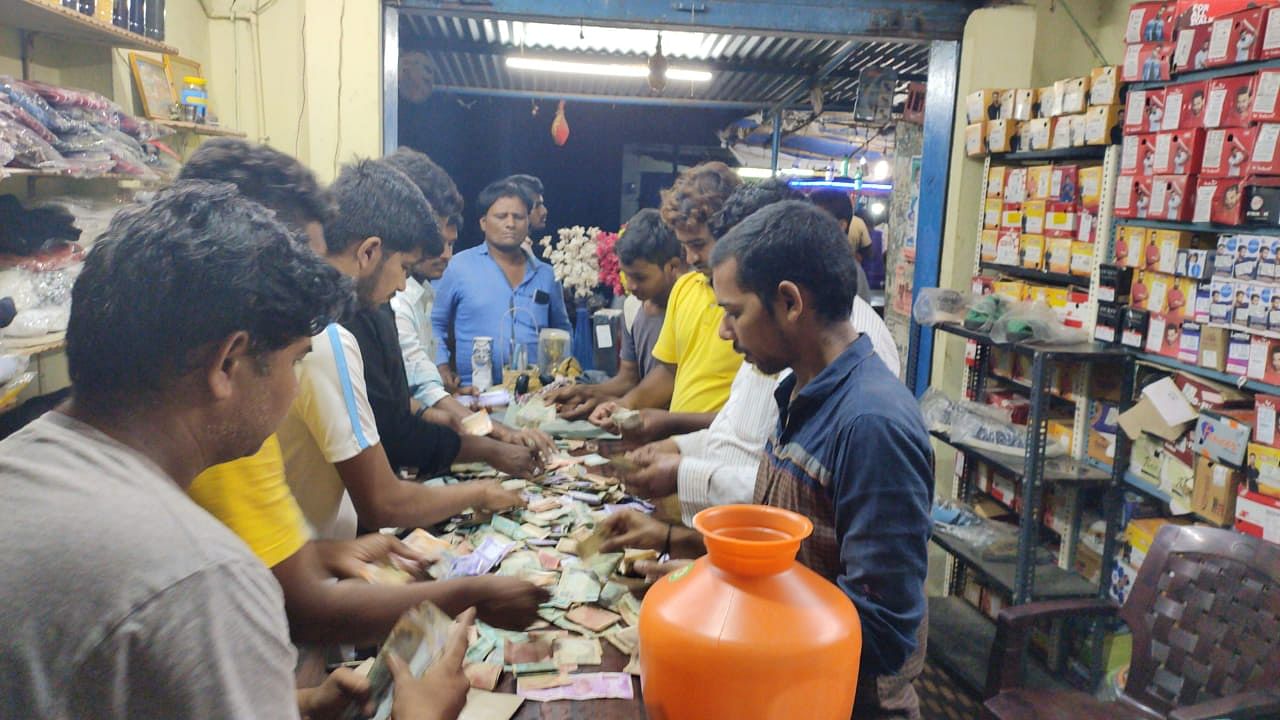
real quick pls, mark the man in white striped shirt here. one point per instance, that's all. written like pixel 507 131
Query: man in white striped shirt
pixel 717 466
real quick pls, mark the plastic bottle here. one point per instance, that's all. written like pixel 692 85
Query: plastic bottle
pixel 194 99
pixel 746 632
pixel 153 22
pixel 120 13
pixel 137 12
pixel 482 363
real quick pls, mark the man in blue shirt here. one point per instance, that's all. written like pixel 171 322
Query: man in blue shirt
pixel 850 450
pixel 496 290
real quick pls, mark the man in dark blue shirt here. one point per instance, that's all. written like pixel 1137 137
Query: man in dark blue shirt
pixel 850 451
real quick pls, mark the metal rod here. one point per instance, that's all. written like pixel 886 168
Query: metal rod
pixel 775 143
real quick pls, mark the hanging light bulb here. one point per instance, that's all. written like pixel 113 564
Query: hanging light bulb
pixel 881 171
pixel 657 69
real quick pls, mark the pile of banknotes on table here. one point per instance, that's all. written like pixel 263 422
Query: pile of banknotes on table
pixel 553 543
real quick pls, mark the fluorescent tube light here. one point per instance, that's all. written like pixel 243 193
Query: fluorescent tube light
pixel 603 69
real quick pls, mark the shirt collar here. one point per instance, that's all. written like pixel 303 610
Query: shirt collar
pixel 530 267
pixel 413 290
pixel 825 385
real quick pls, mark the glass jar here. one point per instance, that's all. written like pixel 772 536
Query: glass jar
pixel 193 99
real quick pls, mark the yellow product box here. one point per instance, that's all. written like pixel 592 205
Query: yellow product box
pixel 1099 121
pixel 1075 94
pixel 1000 135
pixel 1024 104
pixel 1079 128
pixel 1149 258
pixel 1039 182
pixel 1129 243
pixel 980 106
pixel 1012 290
pixel 989 239
pixel 1007 99
pixel 1032 251
pixel 1082 258
pixel 993 208
pixel 1091 188
pixel 1033 217
pixel 1158 286
pixel 1264 466
pixel 995 181
pixel 1009 247
pixel 1140 534
pixel 1037 133
pixel 1011 216
pixel 975 140
pixel 1061 133
pixel 1058 255
pixel 1104 85
pixel 1167 244
pixel 1047 102
pixel 1060 432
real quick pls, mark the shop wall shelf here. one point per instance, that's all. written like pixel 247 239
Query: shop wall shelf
pixel 51 19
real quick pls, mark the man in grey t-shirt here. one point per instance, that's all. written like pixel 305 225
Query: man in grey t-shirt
pixel 120 597
pixel 652 261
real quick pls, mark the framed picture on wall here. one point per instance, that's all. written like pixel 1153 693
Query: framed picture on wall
pixel 177 68
pixel 152 82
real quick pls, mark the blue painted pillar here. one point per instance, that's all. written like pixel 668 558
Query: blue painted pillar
pixel 935 168
pixel 775 145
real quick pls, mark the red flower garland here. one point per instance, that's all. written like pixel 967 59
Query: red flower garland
pixel 608 259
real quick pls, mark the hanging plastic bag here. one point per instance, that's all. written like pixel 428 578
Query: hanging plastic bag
pixel 1035 322
pixel 985 312
pixel 937 305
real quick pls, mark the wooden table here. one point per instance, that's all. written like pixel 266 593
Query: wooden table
pixel 611 709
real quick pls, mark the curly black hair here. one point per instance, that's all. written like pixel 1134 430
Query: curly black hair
pixel 698 194
pixel 748 198
pixel 172 278
pixel 265 175
pixel 377 200
pixel 431 179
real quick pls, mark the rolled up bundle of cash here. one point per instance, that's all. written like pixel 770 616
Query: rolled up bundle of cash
pixel 627 419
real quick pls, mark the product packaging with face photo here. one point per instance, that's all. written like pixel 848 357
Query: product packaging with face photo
pixel 1219 200
pixel 1177 153
pixel 1230 102
pixel 1227 152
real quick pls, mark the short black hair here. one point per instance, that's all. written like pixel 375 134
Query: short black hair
pixel 793 240
pixel 440 190
pixel 376 200
pixel 495 191
pixel 173 277
pixel 647 238
pixel 528 182
pixel 265 175
pixel 748 198
pixel 835 202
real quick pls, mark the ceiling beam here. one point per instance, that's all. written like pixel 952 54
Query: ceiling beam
pixel 656 100
pixel 881 20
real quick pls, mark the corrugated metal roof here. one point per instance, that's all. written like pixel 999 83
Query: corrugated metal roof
pixel 751 70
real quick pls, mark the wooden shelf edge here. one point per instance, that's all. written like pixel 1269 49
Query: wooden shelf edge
pixel 201 129
pixel 42 17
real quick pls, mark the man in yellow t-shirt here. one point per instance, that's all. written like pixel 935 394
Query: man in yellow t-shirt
pixel 695 368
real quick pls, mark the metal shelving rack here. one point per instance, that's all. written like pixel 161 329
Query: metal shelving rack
pixel 951 618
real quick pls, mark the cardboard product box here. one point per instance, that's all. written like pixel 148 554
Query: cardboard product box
pixel 1219 200
pixel 1222 437
pixel 1222 303
pixel 982 285
pixel 1039 182
pixel 1141 534
pixel 995 181
pixel 993 208
pixel 1087 227
pixel 1177 153
pixel 1227 152
pixel 1090 179
pixel 1182 298
pixel 1011 216
pixel 1032 256
pixel 1191 51
pixel 1075 314
pixel 1058 254
pixel 1133 195
pixel 1271 35
pixel 1167 244
pixel 1266 93
pixel 1102 122
pixel 1214 495
pixel 989 240
pixel 1129 244
pixel 981 106
pixel 1264 359
pixel 1258 515
pixel 1261 299
pixel 1064 184
pixel 1143 111
pixel 1003 362
pixel 1082 258
pixel 1103 426
pixel 1140 291
pixel 1006 99
pixel 1164 335
pixel 1079 129
pixel 1238 353
pixel 1114 283
pixel 1195 263
pixel 1230 102
pixel 1240 307
pixel 1011 290
pixel 975 140
pixel 1264 431
pixel 1003 490
pixel 1263 200
pixel 1037 133
pixel 1008 247
pixel 1145 457
pixel 1263 469
pixel 1204 301
pixel 1024 104
pixel 1002 136
pixel 1178 479
pixel 1033 212
pixel 1104 85
pixel 1265 158
pixel 1184 106
pixel 1074 93
pixel 1170 200
pixel 1189 347
pixel 1224 260
pixel 1015 185
pixel 1089 564
pixel 1047 105
pixel 1151 22
pixel 1106 327
pixel 1213 348
pixel 1151 252
pixel 1134 332
pixel 1208 395
pixel 1248 251
pixel 1061 219
pixel 1123 578
pixel 1147 62
pixel 1234 38
pixel 1063 127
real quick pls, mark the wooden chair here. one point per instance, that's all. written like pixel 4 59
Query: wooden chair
pixel 1205 617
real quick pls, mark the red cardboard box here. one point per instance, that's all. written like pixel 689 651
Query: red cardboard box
pixel 1178 153
pixel 1064 184
pixel 1219 200
pixel 1230 102
pixel 1184 106
pixel 1164 335
pixel 1206 395
pixel 1227 152
pixel 1264 359
pixel 1143 111
pixel 1236 38
pixel 1015 185
pixel 1193 13
pixel 1147 62
pixel 1090 187
pixel 1264 431
pixel 1271 35
pixel 1266 93
pixel 1265 159
pixel 1136 155
pixel 1061 220
pixel 1151 22
pixel 1258 515
pixel 1172 197
pixel 1191 52
pixel 1132 192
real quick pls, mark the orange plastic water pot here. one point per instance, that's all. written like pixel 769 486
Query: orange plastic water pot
pixel 746 632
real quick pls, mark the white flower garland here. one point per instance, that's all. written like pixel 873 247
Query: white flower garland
pixel 573 258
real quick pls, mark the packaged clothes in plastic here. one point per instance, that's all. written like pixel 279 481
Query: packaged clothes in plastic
pixel 39 321
pixel 1035 322
pixel 22 116
pixel 11 366
pixel 935 305
pixel 89 164
pixel 21 94
pixel 72 97
pixel 92 215
pixel 29 149
pixel 6 154
pixel 80 141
